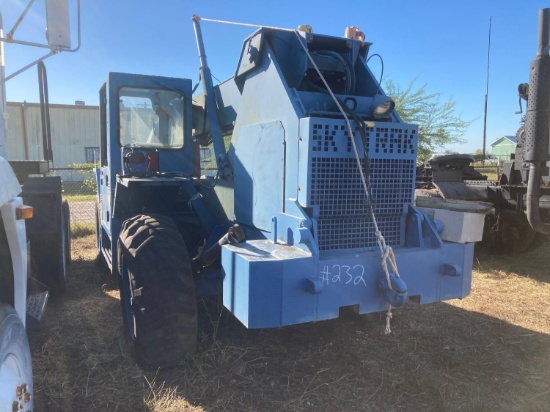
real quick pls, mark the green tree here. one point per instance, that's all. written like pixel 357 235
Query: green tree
pixel 438 125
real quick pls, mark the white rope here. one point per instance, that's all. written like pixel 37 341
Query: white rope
pixel 386 252
pixel 258 26
pixel 389 315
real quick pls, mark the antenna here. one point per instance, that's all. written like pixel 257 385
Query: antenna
pixel 486 95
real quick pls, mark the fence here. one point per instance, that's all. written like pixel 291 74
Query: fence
pixel 491 171
pixel 79 189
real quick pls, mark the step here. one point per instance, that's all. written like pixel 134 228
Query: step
pixel 37 299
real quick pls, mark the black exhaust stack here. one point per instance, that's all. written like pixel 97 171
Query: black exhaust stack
pixel 537 123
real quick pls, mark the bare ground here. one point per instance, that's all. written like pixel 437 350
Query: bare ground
pixel 488 352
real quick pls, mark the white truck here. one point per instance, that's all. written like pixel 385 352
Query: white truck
pixel 16 385
pixel 42 240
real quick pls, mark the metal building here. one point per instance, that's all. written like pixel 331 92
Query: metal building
pixel 74 129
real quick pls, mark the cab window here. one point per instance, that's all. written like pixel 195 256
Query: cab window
pixel 151 118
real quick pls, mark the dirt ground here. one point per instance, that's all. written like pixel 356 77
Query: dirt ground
pixel 488 352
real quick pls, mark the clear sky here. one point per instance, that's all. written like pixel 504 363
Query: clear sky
pixel 441 43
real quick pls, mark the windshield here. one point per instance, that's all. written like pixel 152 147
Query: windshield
pixel 151 118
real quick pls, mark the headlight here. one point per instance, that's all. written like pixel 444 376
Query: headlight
pixel 383 109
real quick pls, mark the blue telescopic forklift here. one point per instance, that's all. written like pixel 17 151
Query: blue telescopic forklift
pixel 311 208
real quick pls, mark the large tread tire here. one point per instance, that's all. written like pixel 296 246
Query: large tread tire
pixel 512 236
pixel 59 283
pixel 157 291
pixel 6 269
pixel 15 363
pixel 538 240
pixel 65 210
pixel 49 256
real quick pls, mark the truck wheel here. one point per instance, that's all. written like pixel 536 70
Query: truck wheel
pixel 49 256
pixel 157 291
pixel 58 284
pixel 539 240
pixel 16 389
pixel 6 268
pixel 513 236
pixel 67 229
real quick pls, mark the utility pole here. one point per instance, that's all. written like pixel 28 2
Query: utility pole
pixel 486 95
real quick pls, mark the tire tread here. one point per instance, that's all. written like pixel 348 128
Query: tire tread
pixel 162 283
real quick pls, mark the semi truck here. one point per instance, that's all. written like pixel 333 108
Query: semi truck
pixel 34 226
pixel 519 201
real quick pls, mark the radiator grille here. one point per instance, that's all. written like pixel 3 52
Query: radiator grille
pixel 335 187
pixel 344 221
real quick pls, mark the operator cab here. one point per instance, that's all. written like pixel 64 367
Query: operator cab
pixel 145 124
pixel 148 124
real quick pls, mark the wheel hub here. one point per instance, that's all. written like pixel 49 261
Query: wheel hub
pixel 14 394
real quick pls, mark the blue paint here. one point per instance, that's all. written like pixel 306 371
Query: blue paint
pixel 264 282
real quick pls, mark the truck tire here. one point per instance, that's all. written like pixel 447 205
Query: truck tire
pixel 67 229
pixel 58 273
pixel 538 240
pixel 513 236
pixel 49 256
pixel 15 363
pixel 6 269
pixel 157 291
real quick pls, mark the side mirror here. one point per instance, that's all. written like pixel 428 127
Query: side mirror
pixel 58 30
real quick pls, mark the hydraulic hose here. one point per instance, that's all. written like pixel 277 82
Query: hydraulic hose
pixel 45 112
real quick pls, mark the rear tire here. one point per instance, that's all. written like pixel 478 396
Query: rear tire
pixel 539 240
pixel 157 291
pixel 50 255
pixel 510 236
pixel 6 269
pixel 59 283
pixel 15 362
pixel 67 229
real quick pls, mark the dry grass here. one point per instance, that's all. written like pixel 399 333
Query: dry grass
pixel 490 351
